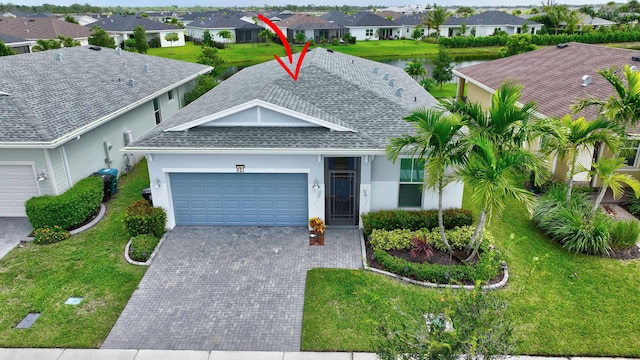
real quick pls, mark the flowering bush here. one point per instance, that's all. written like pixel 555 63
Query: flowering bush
pixel 50 235
pixel 317 224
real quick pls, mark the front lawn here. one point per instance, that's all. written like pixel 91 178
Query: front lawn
pixel 39 278
pixel 562 304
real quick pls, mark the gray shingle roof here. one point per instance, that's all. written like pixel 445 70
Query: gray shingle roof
pixel 333 87
pixel 129 22
pixel 223 21
pixel 8 39
pixel 410 20
pixel 368 19
pixel 50 99
pixel 490 18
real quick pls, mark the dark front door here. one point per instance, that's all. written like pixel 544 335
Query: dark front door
pixel 343 179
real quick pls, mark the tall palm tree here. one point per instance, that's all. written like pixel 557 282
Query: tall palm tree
pixel 606 170
pixel 437 16
pixel 415 69
pixel 490 171
pixel 438 142
pixel 573 19
pixel 575 136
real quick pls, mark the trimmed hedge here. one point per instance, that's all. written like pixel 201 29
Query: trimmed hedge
pixel 401 239
pixel 142 218
pixel 142 247
pixel 414 219
pixel 548 39
pixel 69 209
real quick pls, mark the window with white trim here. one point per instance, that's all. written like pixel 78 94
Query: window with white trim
pixel 368 32
pixel 411 180
pixel 170 95
pixel 630 152
pixel 156 111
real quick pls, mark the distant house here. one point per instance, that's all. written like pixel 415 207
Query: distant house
pixel 370 26
pixel 313 27
pixel 67 112
pixel 43 29
pixel 487 23
pixel 411 22
pixel 555 78
pixel 84 20
pixel 19 45
pixel 123 26
pixel 263 150
pixel 242 31
pixel 20 14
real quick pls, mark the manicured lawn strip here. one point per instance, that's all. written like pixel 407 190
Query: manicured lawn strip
pixel 39 278
pixel 448 91
pixel 562 304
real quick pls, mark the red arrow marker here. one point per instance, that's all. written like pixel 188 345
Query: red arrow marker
pixel 287 48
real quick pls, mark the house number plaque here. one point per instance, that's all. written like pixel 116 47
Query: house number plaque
pixel 239 169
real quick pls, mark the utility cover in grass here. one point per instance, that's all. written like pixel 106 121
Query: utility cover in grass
pixel 28 321
pixel 75 301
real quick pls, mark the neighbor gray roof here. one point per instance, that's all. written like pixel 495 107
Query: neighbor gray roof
pixel 50 99
pixel 490 18
pixel 338 88
pixel 368 19
pixel 410 20
pixel 8 39
pixel 129 22
pixel 222 22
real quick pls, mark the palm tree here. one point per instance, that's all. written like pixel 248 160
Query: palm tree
pixel 573 20
pixel 606 170
pixel 43 45
pixel 437 16
pixel 490 171
pixel 575 136
pixel 438 141
pixel 415 69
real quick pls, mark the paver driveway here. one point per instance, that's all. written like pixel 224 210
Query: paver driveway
pixel 229 288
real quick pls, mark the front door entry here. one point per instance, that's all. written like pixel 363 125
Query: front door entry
pixel 343 179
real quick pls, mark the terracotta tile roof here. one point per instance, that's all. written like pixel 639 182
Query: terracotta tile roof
pixel 41 28
pixel 552 77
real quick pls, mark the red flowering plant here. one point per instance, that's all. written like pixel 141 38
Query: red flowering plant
pixel 317 225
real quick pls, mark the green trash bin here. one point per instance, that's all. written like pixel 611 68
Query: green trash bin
pixel 114 178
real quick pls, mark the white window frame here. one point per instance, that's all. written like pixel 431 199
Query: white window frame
pixel 412 182
pixel 636 158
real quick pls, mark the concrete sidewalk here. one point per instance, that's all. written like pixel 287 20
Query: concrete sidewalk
pixel 97 354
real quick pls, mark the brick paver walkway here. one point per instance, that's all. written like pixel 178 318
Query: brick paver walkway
pixel 229 288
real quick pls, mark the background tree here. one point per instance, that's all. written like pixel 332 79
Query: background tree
pixel 226 35
pixel 68 41
pixel 171 37
pixel 524 29
pixel 267 35
pixel 209 56
pixel 70 19
pixel 437 16
pixel 465 11
pixel 100 37
pixel 5 50
pixel 203 84
pixel 588 10
pixel 43 45
pixel 442 68
pixel 207 40
pixel 417 33
pixel 415 69
pixel 573 19
pixel 606 170
pixel 517 44
pixel 140 37
pixel 300 37
pixel 463 30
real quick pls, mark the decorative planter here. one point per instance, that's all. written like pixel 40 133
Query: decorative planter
pixel 316 238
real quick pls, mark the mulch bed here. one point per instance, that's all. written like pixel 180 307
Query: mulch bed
pixel 624 254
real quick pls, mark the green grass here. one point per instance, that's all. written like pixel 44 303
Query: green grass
pixel 447 91
pixel 39 278
pixel 562 304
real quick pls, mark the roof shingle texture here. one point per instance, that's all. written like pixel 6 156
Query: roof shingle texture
pixel 334 87
pixel 223 21
pixel 129 22
pixel 552 77
pixel 49 98
pixel 41 28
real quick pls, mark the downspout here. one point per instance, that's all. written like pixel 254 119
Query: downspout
pixel 65 161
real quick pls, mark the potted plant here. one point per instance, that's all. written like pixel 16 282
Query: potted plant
pixel 316 234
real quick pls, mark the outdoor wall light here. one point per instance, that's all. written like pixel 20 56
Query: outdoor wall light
pixel 156 183
pixel 41 175
pixel 316 185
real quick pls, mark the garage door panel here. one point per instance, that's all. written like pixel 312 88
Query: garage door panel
pixel 17 184
pixel 240 199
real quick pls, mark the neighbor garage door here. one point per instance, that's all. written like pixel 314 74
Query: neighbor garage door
pixel 17 184
pixel 240 199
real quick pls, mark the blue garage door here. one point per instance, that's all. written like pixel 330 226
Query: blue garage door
pixel 240 199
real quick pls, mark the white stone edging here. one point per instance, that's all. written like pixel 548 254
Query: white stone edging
pixel 141 263
pixel 366 266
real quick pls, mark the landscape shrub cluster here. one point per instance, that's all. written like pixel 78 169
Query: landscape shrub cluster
pixel 414 219
pixel 69 209
pixel 399 239
pixel 50 235
pixel 142 247
pixel 548 39
pixel 142 218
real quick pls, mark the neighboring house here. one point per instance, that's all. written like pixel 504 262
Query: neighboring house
pixel 18 14
pixel 263 149
pixel 585 19
pixel 123 26
pixel 84 20
pixel 370 26
pixel 410 23
pixel 43 29
pixel 555 78
pixel 67 112
pixel 313 27
pixel 19 45
pixel 487 23
pixel 242 31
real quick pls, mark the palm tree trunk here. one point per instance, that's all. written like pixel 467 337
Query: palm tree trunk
pixel 599 200
pixel 477 236
pixel 441 221
pixel 570 177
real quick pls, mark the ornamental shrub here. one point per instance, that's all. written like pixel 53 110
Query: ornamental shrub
pixel 414 219
pixel 50 235
pixel 69 209
pixel 401 239
pixel 142 247
pixel 624 234
pixel 142 218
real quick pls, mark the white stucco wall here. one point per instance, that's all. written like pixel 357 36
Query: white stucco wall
pixel 165 43
pixel 360 33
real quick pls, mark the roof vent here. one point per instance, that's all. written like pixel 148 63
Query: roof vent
pixel 95 48
pixel 399 92
pixel 375 70
pixel 562 46
pixel 635 58
pixel 146 68
pixel 392 82
pixel 2 93
pixel 123 64
pixel 130 82
pixel 386 76
pixel 330 51
pixel 59 57
pixel 586 80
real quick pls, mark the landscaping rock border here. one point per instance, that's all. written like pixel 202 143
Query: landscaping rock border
pixel 366 266
pixel 153 254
